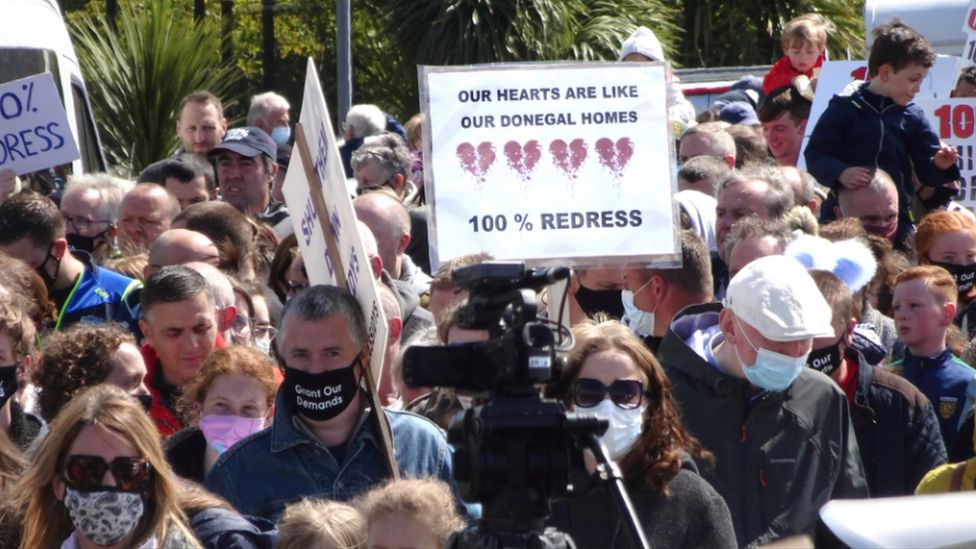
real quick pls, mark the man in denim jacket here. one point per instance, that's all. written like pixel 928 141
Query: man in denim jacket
pixel 323 441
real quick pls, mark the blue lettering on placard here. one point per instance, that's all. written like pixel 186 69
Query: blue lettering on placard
pixel 29 142
pixel 308 221
pixel 353 272
pixel 328 263
pixel 10 106
pixel 322 154
pixel 336 224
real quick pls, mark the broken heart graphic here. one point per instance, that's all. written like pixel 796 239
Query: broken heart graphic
pixel 568 158
pixel 523 158
pixel 615 156
pixel 476 161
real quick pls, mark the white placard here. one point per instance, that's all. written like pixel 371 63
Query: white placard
pixel 969 27
pixel 955 122
pixel 34 130
pixel 838 77
pixel 329 174
pixel 557 163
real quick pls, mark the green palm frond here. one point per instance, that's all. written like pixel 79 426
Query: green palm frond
pixel 138 73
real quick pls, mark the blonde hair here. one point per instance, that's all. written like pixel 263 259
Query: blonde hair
pixel 323 524
pixel 45 520
pixel 428 501
pixel 811 27
pixel 16 325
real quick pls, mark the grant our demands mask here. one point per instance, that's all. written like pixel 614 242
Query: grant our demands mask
pixel 321 396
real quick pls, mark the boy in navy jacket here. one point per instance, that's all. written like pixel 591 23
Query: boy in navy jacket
pixel 878 126
pixel 925 305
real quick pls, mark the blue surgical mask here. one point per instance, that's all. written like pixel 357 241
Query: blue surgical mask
pixel 638 320
pixel 281 134
pixel 772 371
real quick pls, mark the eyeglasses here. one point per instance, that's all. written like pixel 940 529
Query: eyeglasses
pixel 81 223
pixel 262 330
pixel 85 473
pixel 625 393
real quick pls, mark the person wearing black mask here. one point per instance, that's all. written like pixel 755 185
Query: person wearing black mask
pixel 16 353
pixel 323 441
pixel 90 207
pixel 33 230
pixel 896 427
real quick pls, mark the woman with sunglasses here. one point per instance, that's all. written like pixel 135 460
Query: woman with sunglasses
pixel 611 374
pixel 230 398
pixel 99 479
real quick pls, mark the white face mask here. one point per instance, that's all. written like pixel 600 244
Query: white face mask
pixel 641 322
pixel 263 344
pixel 624 429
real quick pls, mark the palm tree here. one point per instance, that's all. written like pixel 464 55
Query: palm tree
pixel 139 72
pixel 746 32
pixel 482 31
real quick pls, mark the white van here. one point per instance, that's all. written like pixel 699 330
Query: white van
pixel 34 39
pixel 939 21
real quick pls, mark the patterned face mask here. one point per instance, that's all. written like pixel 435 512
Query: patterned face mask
pixel 106 517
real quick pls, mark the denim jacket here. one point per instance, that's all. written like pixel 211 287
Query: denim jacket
pixel 282 464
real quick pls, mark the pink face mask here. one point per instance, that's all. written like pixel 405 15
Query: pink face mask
pixel 222 432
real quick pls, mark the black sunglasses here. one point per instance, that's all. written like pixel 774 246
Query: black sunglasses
pixel 85 473
pixel 625 393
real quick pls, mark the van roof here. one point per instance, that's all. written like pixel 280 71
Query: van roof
pixel 34 24
pixel 939 21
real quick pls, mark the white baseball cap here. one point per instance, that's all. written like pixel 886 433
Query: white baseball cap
pixel 776 296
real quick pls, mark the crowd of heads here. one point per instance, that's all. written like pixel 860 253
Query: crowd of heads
pixel 168 357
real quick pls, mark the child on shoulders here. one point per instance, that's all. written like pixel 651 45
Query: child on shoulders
pixel 804 42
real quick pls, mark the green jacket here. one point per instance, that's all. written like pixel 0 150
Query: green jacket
pixel 778 456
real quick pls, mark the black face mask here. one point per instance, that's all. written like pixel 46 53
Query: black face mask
pixel 322 396
pixel 8 383
pixel 48 278
pixel 83 243
pixel 825 360
pixel 594 301
pixel 965 275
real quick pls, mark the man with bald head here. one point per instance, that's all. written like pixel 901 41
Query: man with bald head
pixel 146 212
pixel 389 221
pixel 876 205
pixel 180 246
pixel 708 139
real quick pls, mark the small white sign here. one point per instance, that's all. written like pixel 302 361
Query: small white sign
pixel 955 122
pixel 34 130
pixel 558 163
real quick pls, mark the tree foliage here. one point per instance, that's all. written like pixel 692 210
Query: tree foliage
pixel 747 32
pixel 138 73
pixel 138 76
pixel 444 32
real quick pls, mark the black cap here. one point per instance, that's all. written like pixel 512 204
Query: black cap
pixel 247 141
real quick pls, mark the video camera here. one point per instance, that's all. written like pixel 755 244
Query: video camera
pixel 517 451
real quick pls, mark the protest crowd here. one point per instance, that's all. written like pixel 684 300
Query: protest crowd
pixel 172 379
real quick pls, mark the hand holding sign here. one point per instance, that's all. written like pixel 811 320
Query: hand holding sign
pixel 946 157
pixel 35 133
